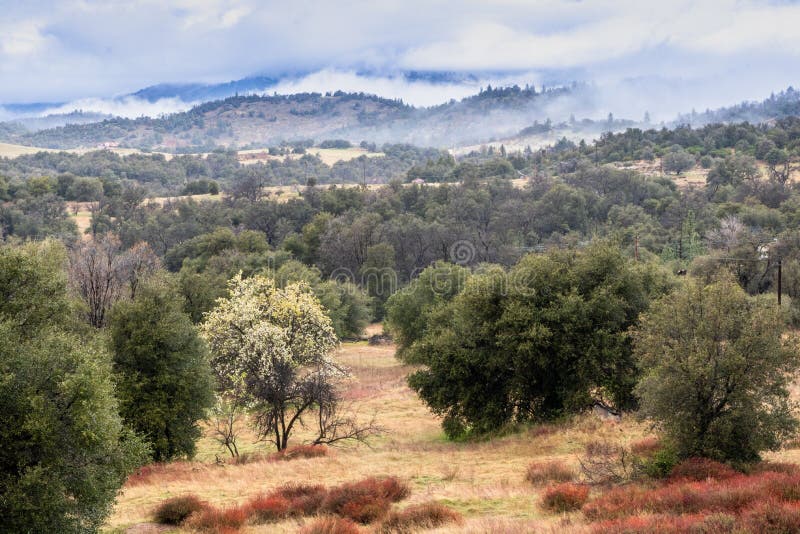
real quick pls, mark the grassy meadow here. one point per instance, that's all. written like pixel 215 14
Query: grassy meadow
pixel 484 481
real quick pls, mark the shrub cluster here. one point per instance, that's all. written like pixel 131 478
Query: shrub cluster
pixel 365 502
pixel 331 525
pixel 418 517
pixel 176 510
pixel 565 497
pixel 701 469
pixel 703 496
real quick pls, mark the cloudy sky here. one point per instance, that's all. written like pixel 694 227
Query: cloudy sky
pixel 714 51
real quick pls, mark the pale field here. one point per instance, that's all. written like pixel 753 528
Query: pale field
pixel 13 151
pixel 482 480
pixel 329 156
pixel 694 177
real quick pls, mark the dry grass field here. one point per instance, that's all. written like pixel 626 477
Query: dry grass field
pixel 484 481
pixel 13 151
pixel 329 156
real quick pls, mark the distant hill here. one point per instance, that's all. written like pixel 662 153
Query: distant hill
pixel 777 106
pixel 257 121
pixel 204 92
pixel 507 114
pixel 199 92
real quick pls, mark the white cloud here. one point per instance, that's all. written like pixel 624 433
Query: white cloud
pixel 418 93
pixel 129 107
pixel 59 50
pixel 21 40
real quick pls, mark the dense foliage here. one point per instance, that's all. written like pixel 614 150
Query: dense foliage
pixel 65 451
pixel 716 371
pixel 546 338
pixel 164 381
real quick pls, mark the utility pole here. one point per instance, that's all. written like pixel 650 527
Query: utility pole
pixel 364 171
pixel 636 248
pixel 780 273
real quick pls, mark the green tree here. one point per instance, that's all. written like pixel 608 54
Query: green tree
pixel 546 338
pixel 408 310
pixel 164 381
pixel 65 450
pixel 677 160
pixel 716 371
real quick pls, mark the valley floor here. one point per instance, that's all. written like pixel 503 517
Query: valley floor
pixel 484 481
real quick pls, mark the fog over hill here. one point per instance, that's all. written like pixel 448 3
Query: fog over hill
pixel 294 112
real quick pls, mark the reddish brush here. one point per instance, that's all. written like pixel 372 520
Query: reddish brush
pixel 543 472
pixel 668 524
pixel 701 469
pixel 304 500
pixel 565 497
pixel 711 496
pixel 331 525
pixel 772 516
pixel 176 510
pixel 775 467
pixel 367 500
pixel 268 508
pixel 219 521
pixel 418 517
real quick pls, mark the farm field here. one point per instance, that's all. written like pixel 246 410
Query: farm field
pixel 484 481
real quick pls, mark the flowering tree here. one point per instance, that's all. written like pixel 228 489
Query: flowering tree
pixel 271 352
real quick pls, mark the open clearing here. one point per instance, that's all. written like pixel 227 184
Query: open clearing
pixel 329 156
pixel 484 480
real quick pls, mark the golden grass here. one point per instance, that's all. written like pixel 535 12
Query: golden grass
pixel 12 151
pixel 329 156
pixel 484 481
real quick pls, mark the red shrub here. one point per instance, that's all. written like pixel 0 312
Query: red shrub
pixel 729 496
pixel 420 516
pixel 219 521
pixel 774 467
pixel 646 447
pixel 331 525
pixel 668 524
pixel 268 508
pixel 771 516
pixel 174 511
pixel 367 500
pixel 701 469
pixel 565 497
pixel 303 499
pixel 300 451
pixel 542 472
pixel 363 509
pixel 783 486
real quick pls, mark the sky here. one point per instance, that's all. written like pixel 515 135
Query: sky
pixel 705 52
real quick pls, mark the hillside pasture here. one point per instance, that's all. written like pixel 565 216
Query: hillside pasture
pixel 484 481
